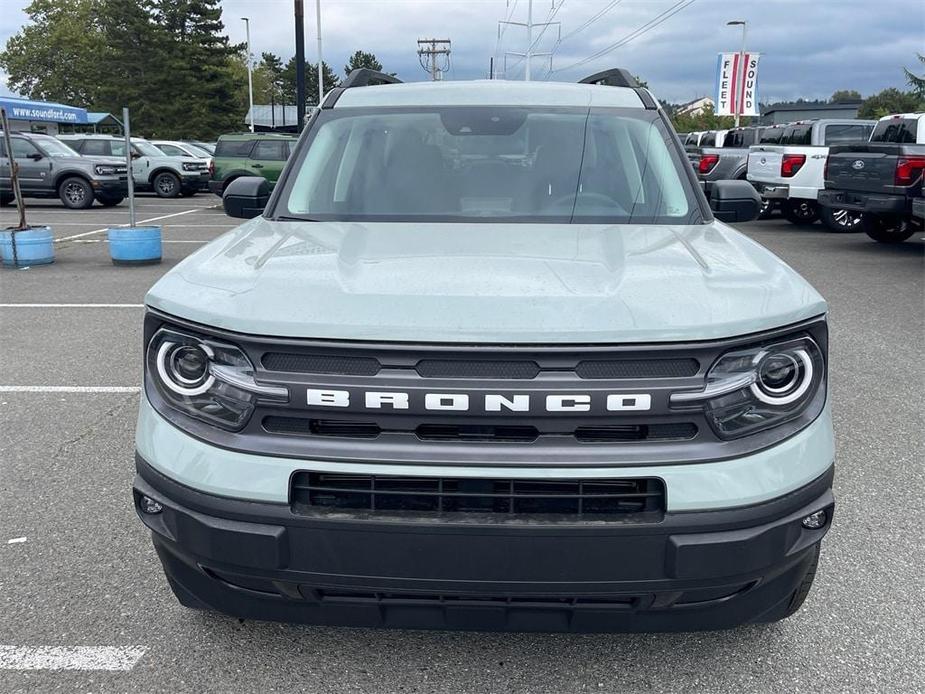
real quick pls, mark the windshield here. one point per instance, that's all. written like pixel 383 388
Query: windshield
pixel 146 148
pixel 197 151
pixel 490 164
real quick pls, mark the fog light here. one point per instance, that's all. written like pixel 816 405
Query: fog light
pixel 151 507
pixel 816 520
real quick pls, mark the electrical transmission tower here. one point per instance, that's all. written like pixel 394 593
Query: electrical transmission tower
pixel 434 55
pixel 529 25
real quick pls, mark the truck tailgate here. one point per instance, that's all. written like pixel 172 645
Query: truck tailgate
pixel 862 168
pixel 764 164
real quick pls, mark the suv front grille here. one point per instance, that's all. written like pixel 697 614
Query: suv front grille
pixel 637 500
pixel 360 429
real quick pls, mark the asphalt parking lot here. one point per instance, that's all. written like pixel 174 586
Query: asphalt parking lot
pixel 77 570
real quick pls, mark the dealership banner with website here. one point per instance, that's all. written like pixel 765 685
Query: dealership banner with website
pixel 737 84
pixel 24 109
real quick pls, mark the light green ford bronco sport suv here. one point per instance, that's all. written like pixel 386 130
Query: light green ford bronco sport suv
pixel 487 358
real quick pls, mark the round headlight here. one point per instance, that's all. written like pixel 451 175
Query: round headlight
pixel 782 377
pixel 184 368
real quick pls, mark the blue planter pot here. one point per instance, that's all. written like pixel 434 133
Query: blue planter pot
pixel 35 246
pixel 136 246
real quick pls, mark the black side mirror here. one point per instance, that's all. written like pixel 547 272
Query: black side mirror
pixel 734 201
pixel 246 197
pixel 35 156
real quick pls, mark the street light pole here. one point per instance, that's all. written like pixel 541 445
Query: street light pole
pixel 250 75
pixel 320 65
pixel 744 70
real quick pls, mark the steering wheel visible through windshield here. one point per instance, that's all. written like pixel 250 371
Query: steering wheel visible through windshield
pixel 489 164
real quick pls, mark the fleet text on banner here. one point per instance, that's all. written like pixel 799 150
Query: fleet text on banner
pixel 737 89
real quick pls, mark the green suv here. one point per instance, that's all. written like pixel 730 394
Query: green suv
pixel 249 154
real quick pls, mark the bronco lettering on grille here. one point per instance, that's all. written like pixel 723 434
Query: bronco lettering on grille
pixel 489 402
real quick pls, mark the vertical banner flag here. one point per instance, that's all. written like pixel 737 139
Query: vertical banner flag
pixel 737 88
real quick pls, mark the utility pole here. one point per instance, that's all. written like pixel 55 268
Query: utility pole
pixel 299 64
pixel 250 71
pixel 530 54
pixel 320 64
pixel 429 53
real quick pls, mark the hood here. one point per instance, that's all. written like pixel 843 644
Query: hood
pixel 494 283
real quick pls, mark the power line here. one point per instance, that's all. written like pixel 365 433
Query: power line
pixel 502 27
pixel 591 21
pixel 645 28
pixel 554 10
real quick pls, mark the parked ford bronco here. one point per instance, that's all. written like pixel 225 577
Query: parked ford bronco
pixel 487 358
pixel 249 154
pixel 881 180
pixel 50 169
pixel 152 170
pixel 791 170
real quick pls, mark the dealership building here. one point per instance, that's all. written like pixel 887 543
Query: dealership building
pixel 51 118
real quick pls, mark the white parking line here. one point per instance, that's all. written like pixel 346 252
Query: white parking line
pixel 70 389
pixel 201 243
pixel 71 305
pixel 137 223
pixel 70 658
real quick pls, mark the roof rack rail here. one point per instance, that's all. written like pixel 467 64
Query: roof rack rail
pixel 615 77
pixel 364 77
pixel 361 77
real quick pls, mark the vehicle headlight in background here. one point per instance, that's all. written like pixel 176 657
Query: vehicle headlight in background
pixel 105 170
pixel 208 380
pixel 189 166
pixel 756 388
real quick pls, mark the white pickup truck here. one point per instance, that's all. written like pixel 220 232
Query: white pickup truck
pixel 793 171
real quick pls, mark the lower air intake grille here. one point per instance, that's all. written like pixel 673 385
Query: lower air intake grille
pixel 637 500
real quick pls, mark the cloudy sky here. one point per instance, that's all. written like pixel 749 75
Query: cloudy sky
pixel 809 48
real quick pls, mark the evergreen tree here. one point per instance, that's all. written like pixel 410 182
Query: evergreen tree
pixel 843 95
pixel 137 50
pixel 362 59
pixel 198 83
pixel 916 82
pixel 331 80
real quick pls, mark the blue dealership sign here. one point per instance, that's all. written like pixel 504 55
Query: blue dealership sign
pixel 23 109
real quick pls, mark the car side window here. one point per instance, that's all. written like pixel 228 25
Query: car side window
pixel 269 151
pixel 23 148
pixel 95 148
pixel 172 151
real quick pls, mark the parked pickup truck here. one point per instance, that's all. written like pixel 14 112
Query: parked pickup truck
pixel 728 161
pixel 792 171
pixel 881 180
pixel 153 170
pixel 453 373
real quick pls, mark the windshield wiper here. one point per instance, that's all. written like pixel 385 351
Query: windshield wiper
pixel 291 218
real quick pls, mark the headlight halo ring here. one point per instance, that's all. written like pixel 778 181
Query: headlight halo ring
pixel 762 394
pixel 166 349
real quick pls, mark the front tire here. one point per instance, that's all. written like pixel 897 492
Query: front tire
pixel 889 228
pixel 801 212
pixel 75 193
pixel 166 185
pixel 840 221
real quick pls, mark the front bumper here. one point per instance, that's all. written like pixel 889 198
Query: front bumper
pixel 692 570
pixel 112 187
pixel 864 202
pixel 194 181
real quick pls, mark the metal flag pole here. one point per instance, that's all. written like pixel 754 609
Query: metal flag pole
pixel 128 167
